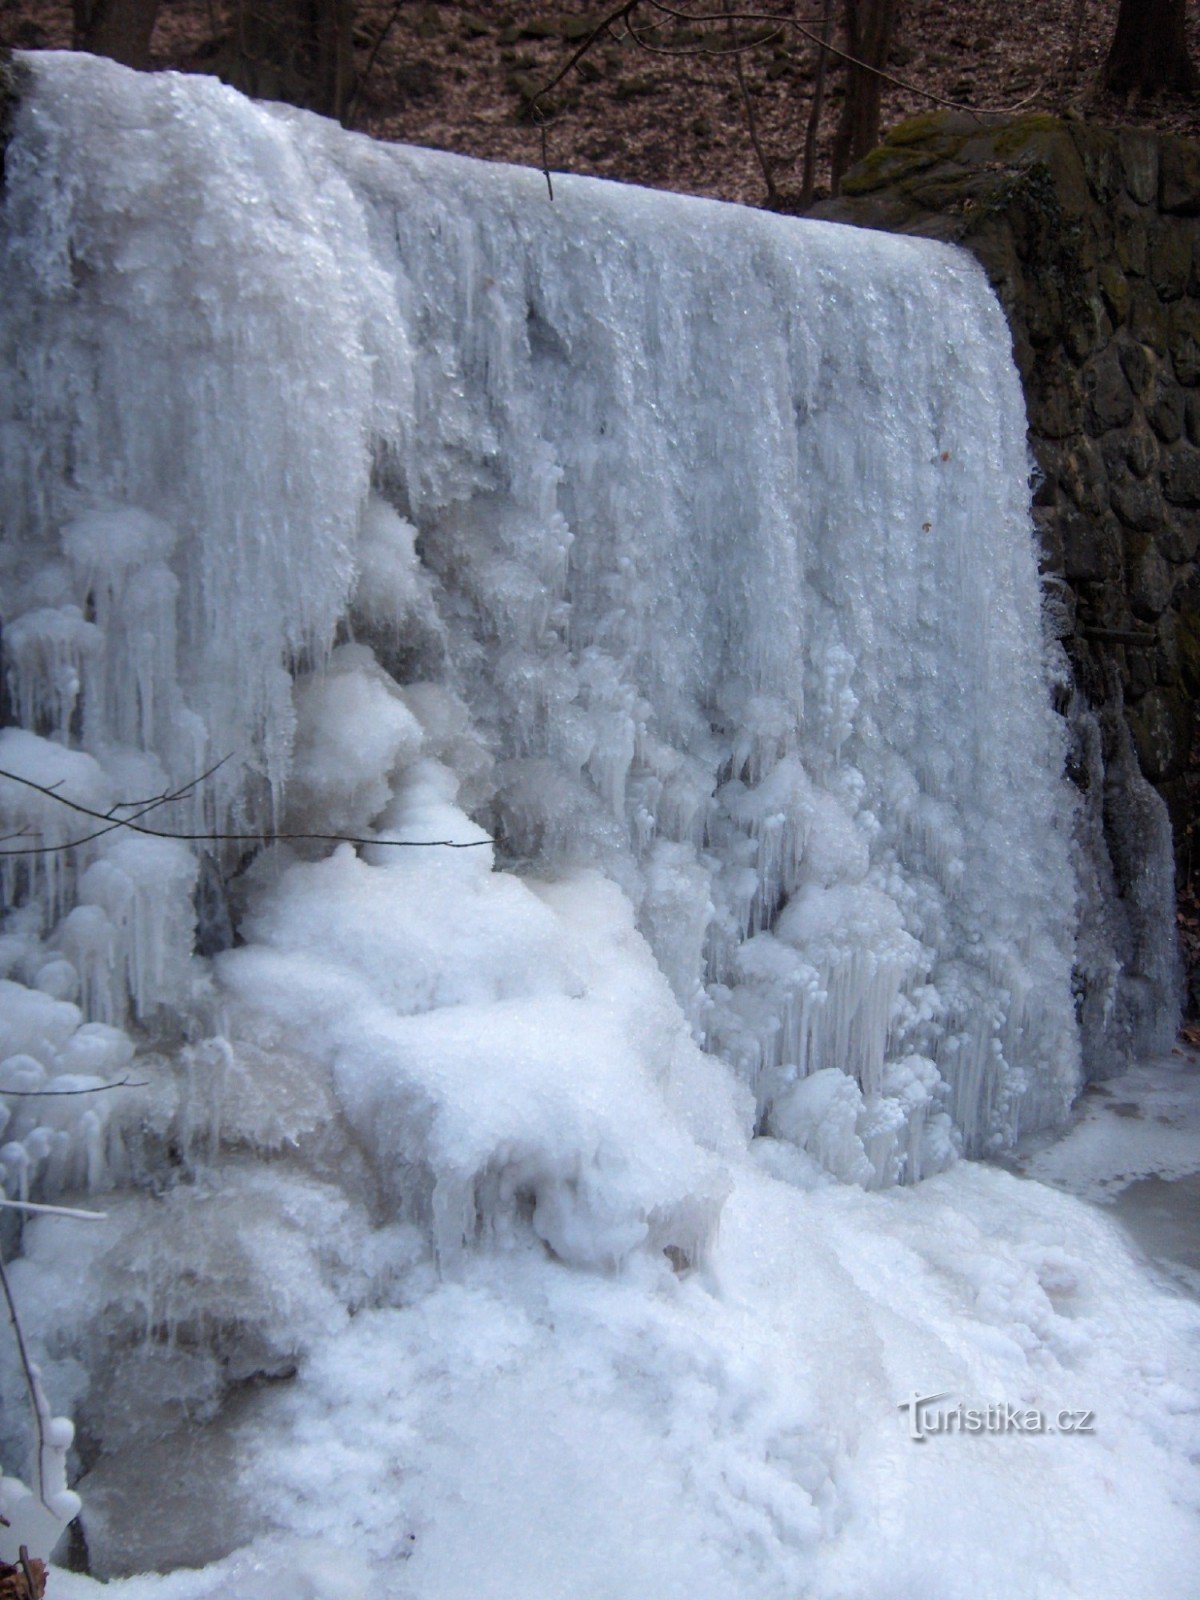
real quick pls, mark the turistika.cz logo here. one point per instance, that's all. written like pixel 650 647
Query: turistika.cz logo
pixel 928 1417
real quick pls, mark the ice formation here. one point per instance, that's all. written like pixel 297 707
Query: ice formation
pixel 645 589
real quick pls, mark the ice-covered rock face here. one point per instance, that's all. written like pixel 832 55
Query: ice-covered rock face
pixel 662 542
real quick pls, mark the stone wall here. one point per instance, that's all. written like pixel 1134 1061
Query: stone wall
pixel 1091 238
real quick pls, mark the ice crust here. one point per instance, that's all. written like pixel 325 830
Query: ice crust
pixel 647 586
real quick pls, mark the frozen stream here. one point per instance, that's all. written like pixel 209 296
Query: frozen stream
pixel 1134 1148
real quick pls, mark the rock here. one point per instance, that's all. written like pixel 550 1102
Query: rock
pixel 1130 243
pixel 1179 536
pixel 1138 504
pixel 1114 286
pixel 1139 164
pixel 1056 399
pixel 1140 669
pixel 1044 479
pixel 886 164
pixel 1166 654
pixel 1102 165
pixel 1179 176
pixel 1181 476
pixel 1081 330
pixel 1047 526
pixel 1058 608
pixel 1081 474
pixel 1184 341
pixel 1141 451
pixel 1170 264
pixel 1091 547
pixel 1160 724
pixel 1164 409
pixel 1148 579
pixel 1109 399
pixel 1148 318
pixel 1187 648
pixel 1137 363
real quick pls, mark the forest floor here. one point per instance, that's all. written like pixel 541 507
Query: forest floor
pixel 458 77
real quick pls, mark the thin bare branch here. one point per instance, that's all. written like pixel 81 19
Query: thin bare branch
pixel 808 181
pixel 31 1384
pixel 217 838
pixel 751 119
pixel 61 1094
pixel 380 41
pixel 541 121
pixel 52 1211
pixel 31 1583
pixel 802 26
pixel 145 807
pixel 736 49
pixel 578 54
pixel 723 16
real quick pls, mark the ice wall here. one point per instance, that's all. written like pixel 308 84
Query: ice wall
pixel 657 538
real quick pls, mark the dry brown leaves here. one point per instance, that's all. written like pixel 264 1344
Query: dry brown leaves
pixel 25 1580
pixel 457 77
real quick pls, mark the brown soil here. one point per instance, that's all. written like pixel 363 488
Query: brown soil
pixel 457 76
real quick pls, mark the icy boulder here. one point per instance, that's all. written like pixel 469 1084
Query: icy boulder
pixel 508 1053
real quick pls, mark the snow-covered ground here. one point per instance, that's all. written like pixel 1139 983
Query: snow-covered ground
pixel 530 1429
pixel 520 1198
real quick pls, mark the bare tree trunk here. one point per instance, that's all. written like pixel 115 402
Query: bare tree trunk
pixel 869 25
pixel 117 28
pixel 764 160
pixel 1149 50
pixel 1072 66
pixel 301 51
pixel 333 73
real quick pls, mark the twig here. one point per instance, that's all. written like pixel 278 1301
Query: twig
pixel 61 1094
pixel 751 120
pixel 578 54
pixel 735 50
pixel 808 181
pixel 723 16
pixel 889 77
pixel 541 122
pixel 52 1211
pixel 114 822
pixel 625 12
pixel 362 77
pixel 1072 64
pixel 23 1557
pixel 31 1383
pixel 215 838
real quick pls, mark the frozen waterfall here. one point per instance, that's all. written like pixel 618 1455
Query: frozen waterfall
pixel 691 544
pixel 643 592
